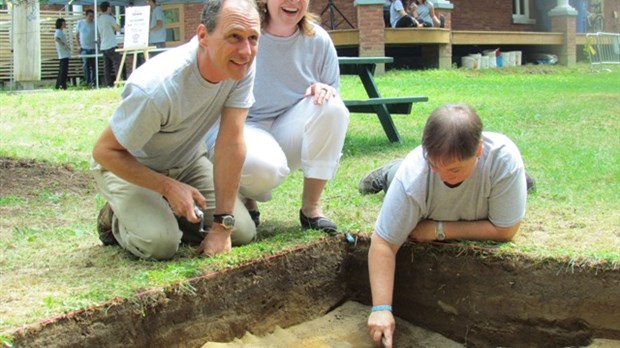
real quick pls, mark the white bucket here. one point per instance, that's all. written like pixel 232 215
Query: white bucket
pixel 508 59
pixel 477 57
pixel 492 59
pixel 468 62
pixel 517 57
pixel 484 62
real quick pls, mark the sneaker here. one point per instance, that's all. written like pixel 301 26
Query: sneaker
pixel 104 225
pixel 372 182
pixel 442 21
pixel 530 182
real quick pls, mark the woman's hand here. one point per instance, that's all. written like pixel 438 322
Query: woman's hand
pixel 321 92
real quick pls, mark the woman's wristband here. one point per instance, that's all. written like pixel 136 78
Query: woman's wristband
pixel 381 308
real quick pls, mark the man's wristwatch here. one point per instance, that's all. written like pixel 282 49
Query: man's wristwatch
pixel 439 234
pixel 226 220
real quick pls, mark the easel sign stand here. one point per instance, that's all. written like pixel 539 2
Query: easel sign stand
pixel 137 25
pixel 135 52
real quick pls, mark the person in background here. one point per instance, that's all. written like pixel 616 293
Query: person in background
pixel 299 119
pixel 85 39
pixel 64 52
pixel 157 29
pixel 150 162
pixel 107 28
pixel 460 183
pixel 386 13
pixel 399 18
pixel 424 12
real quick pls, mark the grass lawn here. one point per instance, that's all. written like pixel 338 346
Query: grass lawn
pixel 566 122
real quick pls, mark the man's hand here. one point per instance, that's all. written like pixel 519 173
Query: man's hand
pixel 381 328
pixel 424 231
pixel 182 199
pixel 216 242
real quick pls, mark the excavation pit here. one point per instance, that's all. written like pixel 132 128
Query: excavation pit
pixel 476 297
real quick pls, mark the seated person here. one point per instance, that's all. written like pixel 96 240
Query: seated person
pixel 461 183
pixel 298 120
pixel 399 18
pixel 424 12
pixel 386 13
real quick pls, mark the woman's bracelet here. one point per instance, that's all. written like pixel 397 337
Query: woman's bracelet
pixel 381 308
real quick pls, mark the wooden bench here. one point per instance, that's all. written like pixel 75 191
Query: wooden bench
pixel 395 105
pixel 383 107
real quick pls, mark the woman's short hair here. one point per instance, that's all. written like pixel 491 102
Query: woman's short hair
pixel 452 133
pixel 59 22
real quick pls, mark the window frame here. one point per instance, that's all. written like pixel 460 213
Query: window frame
pixel 176 25
pixel 521 14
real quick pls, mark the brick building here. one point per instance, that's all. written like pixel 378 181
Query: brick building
pixel 356 26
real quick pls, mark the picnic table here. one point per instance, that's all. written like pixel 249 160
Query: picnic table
pixel 364 67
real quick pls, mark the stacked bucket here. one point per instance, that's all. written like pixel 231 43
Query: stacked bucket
pixel 491 59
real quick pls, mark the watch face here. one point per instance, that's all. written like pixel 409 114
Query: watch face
pixel 228 221
pixel 441 236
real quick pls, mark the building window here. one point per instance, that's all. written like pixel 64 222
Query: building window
pixel 175 29
pixel 521 12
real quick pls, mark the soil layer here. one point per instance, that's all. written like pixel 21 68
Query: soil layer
pixel 477 297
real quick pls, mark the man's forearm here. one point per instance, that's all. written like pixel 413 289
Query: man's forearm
pixel 227 166
pixel 479 230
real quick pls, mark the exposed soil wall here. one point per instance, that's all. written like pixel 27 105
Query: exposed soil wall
pixel 487 299
pixel 283 290
pixel 473 296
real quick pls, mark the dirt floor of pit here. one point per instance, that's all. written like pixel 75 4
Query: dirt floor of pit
pixel 345 327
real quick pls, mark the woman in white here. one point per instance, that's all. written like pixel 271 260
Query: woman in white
pixel 298 119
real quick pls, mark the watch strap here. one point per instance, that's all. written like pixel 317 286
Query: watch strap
pixel 439 232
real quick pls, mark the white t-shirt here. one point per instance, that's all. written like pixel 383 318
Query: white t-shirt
pixel 496 190
pixel 395 15
pixel 287 66
pixel 168 107
pixel 424 12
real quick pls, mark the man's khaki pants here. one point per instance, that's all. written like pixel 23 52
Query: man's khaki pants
pixel 144 223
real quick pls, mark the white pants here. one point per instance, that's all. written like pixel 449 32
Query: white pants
pixel 306 136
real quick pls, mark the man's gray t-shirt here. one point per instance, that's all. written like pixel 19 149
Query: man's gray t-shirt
pixel 86 30
pixel 105 27
pixel 168 107
pixel 160 35
pixel 496 190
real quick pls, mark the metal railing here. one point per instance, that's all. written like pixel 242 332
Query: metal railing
pixel 602 49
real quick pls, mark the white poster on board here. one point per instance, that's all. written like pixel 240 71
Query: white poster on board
pixel 137 23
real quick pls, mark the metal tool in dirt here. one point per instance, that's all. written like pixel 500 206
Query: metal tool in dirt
pixel 200 215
